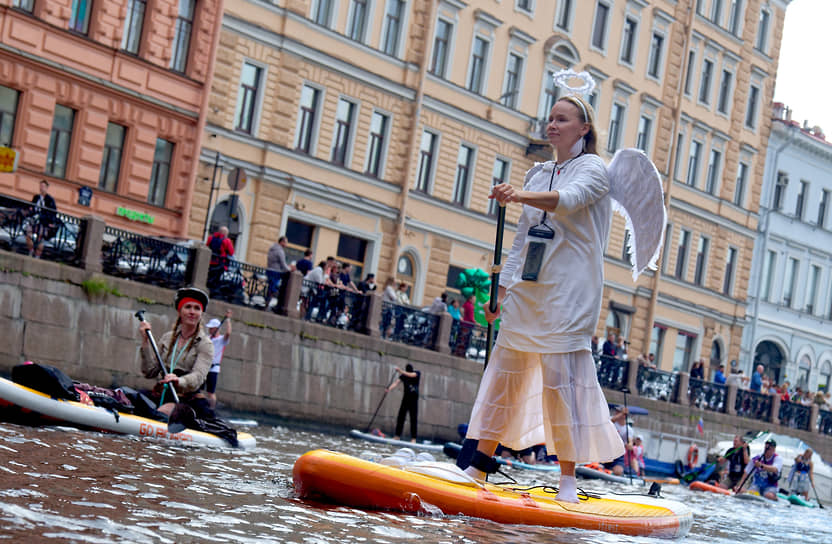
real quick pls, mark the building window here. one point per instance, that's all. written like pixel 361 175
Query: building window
pixel 59 141
pixel 478 56
pixel 751 111
pixel 392 32
pixel 713 171
pixel 716 12
pixel 657 344
pixel 724 92
pixel 25 5
pixel 789 281
pixel 550 95
pixel 822 207
pixel 525 5
pixel 564 14
pixel 684 351
pixel 8 114
pixel 682 254
pixel 645 124
pixel 625 247
pixel 616 119
pixel 628 41
pixel 463 174
pixel 689 72
pixel 668 240
pixel 323 12
pixel 299 238
pixel 801 199
pixel 599 31
pixel 133 23
pixel 693 163
pixel 111 160
pixel 700 7
pixel 358 20
pixel 705 83
pixel 247 98
pixel 762 30
pixel 182 35
pixel 730 270
pixel 441 45
pixel 768 274
pixel 780 190
pixel 79 17
pixel 701 261
pixel 375 151
pixel 344 119
pixel 426 152
pixel 739 186
pixel 160 173
pixel 512 86
pixel 498 175
pixel 825 377
pixel 812 292
pixel 654 63
pixel 309 103
pixel 680 143
pixel 734 17
pixel 352 250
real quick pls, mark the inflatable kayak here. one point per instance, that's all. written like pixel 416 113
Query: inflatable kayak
pixel 597 472
pixel 420 487
pixel 95 417
pixel 424 445
pixel 452 450
pixel 702 486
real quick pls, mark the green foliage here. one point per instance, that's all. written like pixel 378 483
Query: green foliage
pixel 98 287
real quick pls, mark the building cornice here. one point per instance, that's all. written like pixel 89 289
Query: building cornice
pixel 698 212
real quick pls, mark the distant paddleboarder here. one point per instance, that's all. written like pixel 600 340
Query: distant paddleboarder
pixel 410 400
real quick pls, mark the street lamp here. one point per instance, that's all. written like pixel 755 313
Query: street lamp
pixel 211 193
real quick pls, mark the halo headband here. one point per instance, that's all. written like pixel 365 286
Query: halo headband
pixel 576 85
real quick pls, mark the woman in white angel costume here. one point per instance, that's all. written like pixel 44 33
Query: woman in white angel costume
pixel 540 385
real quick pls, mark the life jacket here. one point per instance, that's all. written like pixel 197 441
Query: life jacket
pixel 800 466
pixel 770 479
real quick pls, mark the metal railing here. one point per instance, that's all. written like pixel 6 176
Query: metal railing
pixel 825 422
pixel 408 325
pixel 333 306
pixel 657 384
pixel 794 415
pixel 144 259
pixel 246 284
pixel 753 405
pixel 43 232
pixel 469 340
pixel 707 395
pixel 612 372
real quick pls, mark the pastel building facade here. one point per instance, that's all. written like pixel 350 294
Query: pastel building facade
pixel 372 131
pixel 790 294
pixel 108 96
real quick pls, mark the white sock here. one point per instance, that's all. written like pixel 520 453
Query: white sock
pixel 475 473
pixel 568 491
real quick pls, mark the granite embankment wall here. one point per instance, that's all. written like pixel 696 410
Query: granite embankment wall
pixel 277 366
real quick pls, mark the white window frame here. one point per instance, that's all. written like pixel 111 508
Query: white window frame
pixel 693 180
pixel 810 302
pixel 486 64
pixel 313 146
pixel 732 279
pixel 466 197
pixel 333 14
pixel 605 37
pixel 702 90
pixel 565 16
pixel 737 19
pixel 382 160
pixel 739 199
pixel 492 203
pixel 717 9
pixel 761 39
pixel 648 143
pixel 621 122
pixel 529 12
pixel 704 269
pixel 729 92
pixel 402 28
pixel 449 57
pixel 652 52
pixel 368 21
pixel 356 116
pixel 258 106
pixel 713 175
pixel 634 45
pixel 433 161
pixel 751 122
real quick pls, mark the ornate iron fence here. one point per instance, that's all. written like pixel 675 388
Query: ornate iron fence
pixel 612 372
pixel 825 422
pixel 707 395
pixel 144 259
pixel 242 283
pixel 333 306
pixel 469 340
pixel 753 405
pixel 43 232
pixel 408 325
pixel 794 415
pixel 657 384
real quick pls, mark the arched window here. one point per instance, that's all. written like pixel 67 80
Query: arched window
pixel 716 356
pixel 227 213
pixel 770 356
pixel 804 367
pixel 825 376
pixel 405 271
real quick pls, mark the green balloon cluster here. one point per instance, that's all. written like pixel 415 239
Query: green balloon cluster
pixel 477 282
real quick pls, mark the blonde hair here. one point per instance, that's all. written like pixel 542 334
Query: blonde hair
pixel 585 112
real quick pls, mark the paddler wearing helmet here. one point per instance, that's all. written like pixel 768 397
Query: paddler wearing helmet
pixel 186 350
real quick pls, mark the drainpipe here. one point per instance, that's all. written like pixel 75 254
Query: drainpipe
pixel 671 160
pixel 203 116
pixel 762 228
pixel 414 136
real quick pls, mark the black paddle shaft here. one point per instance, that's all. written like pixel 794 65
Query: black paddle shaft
pixel 140 317
pixel 493 302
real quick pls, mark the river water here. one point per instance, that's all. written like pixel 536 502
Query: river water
pixel 64 485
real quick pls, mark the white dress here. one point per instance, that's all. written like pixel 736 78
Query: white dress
pixel 540 385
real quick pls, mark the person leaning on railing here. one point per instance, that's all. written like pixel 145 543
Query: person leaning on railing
pixel 42 222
